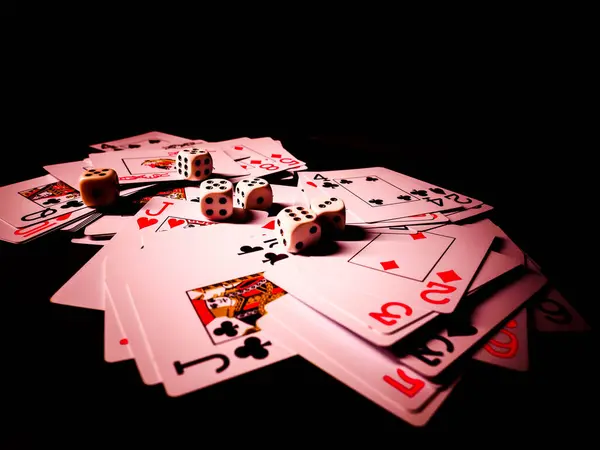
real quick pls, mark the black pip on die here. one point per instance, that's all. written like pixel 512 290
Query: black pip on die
pixel 253 193
pixel 331 213
pixel 194 164
pixel 99 187
pixel 297 228
pixel 216 199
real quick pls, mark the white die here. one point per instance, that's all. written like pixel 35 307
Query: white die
pixel 331 213
pixel 297 228
pixel 253 193
pixel 194 164
pixel 216 199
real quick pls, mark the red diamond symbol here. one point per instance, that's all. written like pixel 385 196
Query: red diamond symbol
pixel 449 276
pixel 244 167
pixel 237 147
pixel 275 155
pixel 270 225
pixel 255 161
pixel 418 235
pixel 387 265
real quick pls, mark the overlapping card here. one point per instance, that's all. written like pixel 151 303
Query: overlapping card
pixel 420 286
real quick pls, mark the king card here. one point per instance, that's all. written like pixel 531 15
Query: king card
pixel 38 200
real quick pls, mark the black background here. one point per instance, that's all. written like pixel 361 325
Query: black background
pixel 511 135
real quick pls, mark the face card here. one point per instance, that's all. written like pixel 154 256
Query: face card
pixel 38 200
pixel 154 214
pixel 509 348
pixel 553 313
pixel 209 340
pixel 377 194
pixel 8 233
pixel 429 353
pixel 146 141
pixel 136 166
pixel 353 361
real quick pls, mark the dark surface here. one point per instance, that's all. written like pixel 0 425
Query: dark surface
pixel 54 374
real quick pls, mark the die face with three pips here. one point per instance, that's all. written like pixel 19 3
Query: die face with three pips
pixel 296 228
pixel 99 187
pixel 195 164
pixel 331 214
pixel 253 193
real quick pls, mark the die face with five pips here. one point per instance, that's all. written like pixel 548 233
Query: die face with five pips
pixel 195 164
pixel 216 199
pixel 99 187
pixel 297 228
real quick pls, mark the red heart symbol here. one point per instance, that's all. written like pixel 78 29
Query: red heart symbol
pixel 270 225
pixel 275 155
pixel 237 147
pixel 176 222
pixel 124 341
pixel 144 222
pixel 310 183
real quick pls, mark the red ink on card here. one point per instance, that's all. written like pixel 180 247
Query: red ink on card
pixel 124 341
pixel 144 222
pixel 415 384
pixel 270 225
pixel 388 265
pixel 175 222
pixel 255 161
pixel 418 236
pixel 449 276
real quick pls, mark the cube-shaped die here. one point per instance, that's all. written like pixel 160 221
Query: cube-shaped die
pixel 194 164
pixel 331 213
pixel 216 198
pixel 297 228
pixel 99 187
pixel 253 193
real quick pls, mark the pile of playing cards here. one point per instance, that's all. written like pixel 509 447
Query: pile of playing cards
pixel 418 285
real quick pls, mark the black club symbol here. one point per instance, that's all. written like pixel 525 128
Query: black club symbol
pixel 253 347
pixel 72 204
pixel 376 201
pixel 404 197
pixel 371 179
pixel 346 181
pixel 438 191
pixel 51 201
pixel 227 328
pixel 327 184
pixel 421 192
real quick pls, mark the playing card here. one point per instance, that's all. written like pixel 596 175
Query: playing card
pixel 147 141
pixel 68 172
pixel 434 279
pixel 419 219
pixel 211 313
pixel 325 300
pixel 376 194
pixel 77 225
pixel 158 212
pixel 38 200
pixel 553 313
pixel 509 348
pixel 88 240
pixel 109 225
pixel 459 216
pixel 432 350
pixel 353 361
pixel 116 344
pixel 136 166
pixel 8 233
